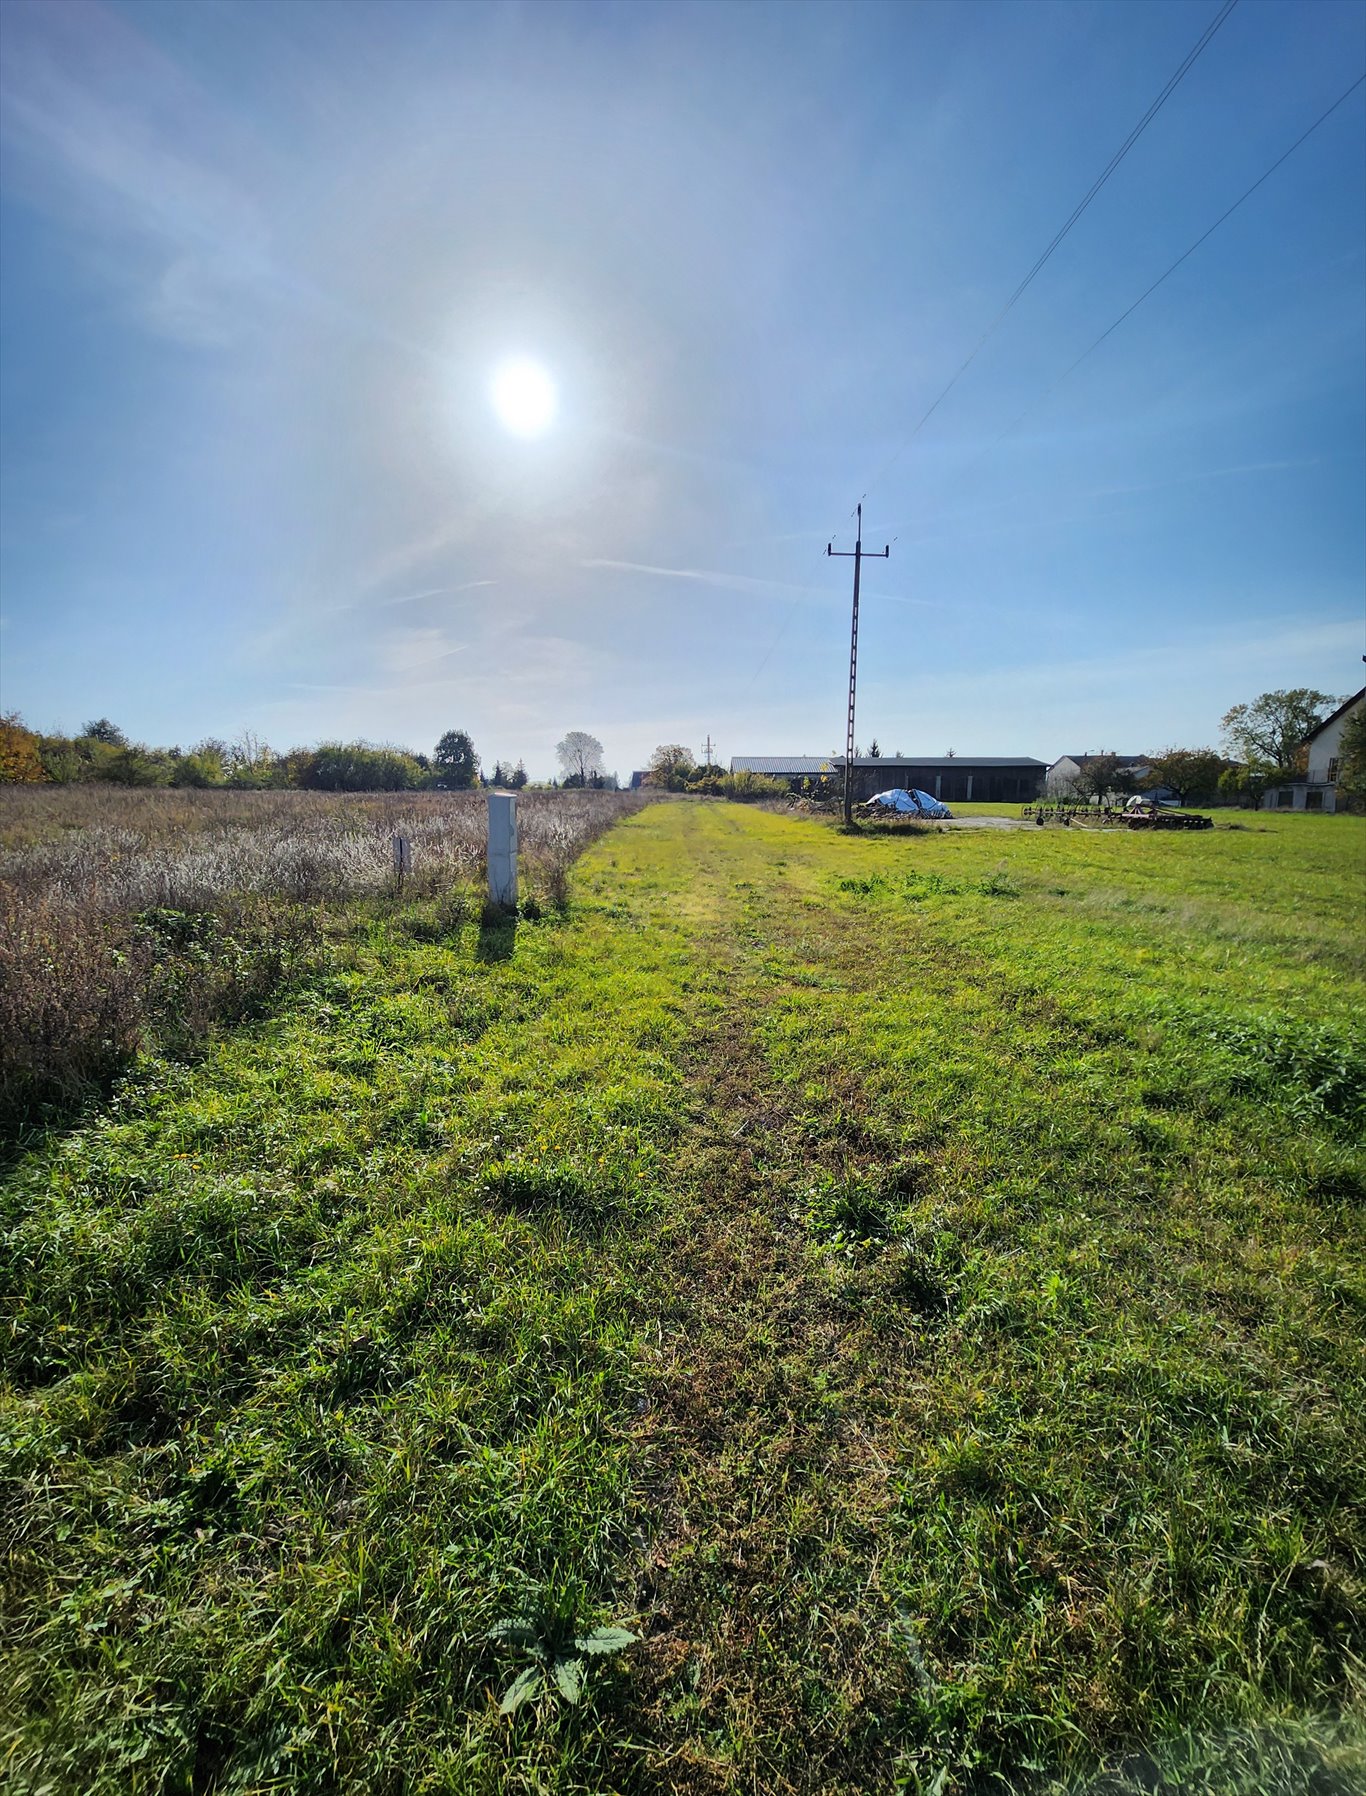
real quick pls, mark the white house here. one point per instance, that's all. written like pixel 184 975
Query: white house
pixel 1318 790
pixel 1062 775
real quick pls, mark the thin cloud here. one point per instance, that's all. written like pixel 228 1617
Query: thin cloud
pixel 321 686
pixel 430 592
pixel 106 129
pixel 706 577
pixel 409 555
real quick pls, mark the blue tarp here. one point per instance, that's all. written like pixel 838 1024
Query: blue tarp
pixel 911 803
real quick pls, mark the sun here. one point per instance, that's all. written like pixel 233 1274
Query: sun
pixel 523 397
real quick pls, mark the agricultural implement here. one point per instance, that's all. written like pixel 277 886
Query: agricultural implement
pixel 1167 820
pixel 1147 816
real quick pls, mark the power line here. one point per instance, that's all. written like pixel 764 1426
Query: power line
pixel 1185 255
pixel 1082 205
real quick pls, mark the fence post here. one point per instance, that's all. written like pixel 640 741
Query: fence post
pixel 503 849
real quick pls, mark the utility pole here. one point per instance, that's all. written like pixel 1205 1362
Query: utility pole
pixel 856 554
pixel 707 762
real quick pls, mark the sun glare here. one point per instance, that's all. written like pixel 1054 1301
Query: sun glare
pixel 524 398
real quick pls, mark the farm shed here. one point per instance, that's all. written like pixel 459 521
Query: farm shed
pixel 961 779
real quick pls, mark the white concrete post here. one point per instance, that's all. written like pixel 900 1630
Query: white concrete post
pixel 503 849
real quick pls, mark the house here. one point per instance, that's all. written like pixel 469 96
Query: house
pixel 1062 775
pixel 1317 790
pixel 961 779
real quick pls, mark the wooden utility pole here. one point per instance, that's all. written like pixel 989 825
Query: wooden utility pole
pixel 856 554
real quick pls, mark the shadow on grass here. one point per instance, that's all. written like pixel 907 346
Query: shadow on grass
pixel 497 934
pixel 29 1131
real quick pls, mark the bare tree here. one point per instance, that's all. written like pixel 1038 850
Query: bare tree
pixel 580 757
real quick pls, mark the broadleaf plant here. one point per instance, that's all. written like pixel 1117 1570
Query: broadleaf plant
pixel 558 1655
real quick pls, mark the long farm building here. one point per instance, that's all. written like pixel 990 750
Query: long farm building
pixel 961 779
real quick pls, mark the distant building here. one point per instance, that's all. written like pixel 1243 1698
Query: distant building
pixel 1318 790
pixel 1062 775
pixel 639 777
pixel 961 779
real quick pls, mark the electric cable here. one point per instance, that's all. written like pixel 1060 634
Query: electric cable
pixel 1185 255
pixel 1081 207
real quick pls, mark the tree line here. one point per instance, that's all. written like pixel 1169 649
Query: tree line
pixel 1263 744
pixel 102 752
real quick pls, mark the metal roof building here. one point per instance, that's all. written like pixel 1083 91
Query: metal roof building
pixel 964 778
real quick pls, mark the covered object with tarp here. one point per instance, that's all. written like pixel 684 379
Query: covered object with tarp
pixel 909 802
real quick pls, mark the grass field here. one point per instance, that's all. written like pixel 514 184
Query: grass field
pixel 914 1283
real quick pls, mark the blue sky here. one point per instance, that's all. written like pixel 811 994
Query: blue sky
pixel 260 262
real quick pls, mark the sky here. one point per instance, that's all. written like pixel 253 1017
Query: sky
pixel 262 263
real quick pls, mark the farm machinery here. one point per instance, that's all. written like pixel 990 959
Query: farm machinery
pixel 1138 813
pixel 1155 818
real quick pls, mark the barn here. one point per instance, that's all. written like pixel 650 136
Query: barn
pixel 960 779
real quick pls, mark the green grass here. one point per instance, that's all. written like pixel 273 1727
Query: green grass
pixel 915 1282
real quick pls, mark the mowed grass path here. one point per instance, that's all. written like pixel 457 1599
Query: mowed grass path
pixel 915 1282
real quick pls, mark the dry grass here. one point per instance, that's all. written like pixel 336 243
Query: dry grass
pixel 130 917
pixel 121 851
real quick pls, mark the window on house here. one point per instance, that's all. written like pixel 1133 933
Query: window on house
pixel 1313 801
pixel 1333 771
pixel 1285 798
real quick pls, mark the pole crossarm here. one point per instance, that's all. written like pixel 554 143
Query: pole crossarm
pixel 858 555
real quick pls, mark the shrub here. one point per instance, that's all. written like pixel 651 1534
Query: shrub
pixel 70 1003
pixel 746 787
pixel 20 763
pixel 80 993
pixel 358 767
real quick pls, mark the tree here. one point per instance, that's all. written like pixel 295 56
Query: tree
pixel 1271 730
pixel 252 762
pixel 454 761
pixel 580 757
pixel 671 766
pixel 135 765
pixel 874 752
pixel 20 763
pixel 358 767
pixel 1192 773
pixel 101 730
pixel 1244 783
pixel 62 760
pixel 506 775
pixel 1352 755
pixel 1096 776
pixel 205 765
pixel 1125 782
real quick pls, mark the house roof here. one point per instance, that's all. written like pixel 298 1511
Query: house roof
pixel 816 764
pixel 781 764
pixel 1345 706
pixel 1122 760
